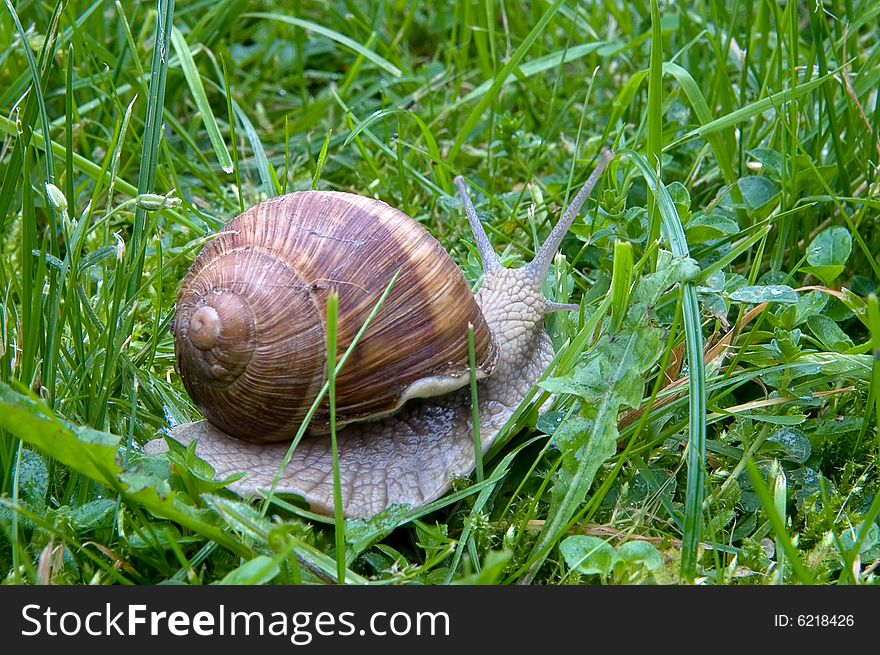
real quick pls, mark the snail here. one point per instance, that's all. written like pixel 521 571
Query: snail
pixel 250 348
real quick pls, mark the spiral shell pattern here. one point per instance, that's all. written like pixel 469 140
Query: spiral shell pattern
pixel 249 330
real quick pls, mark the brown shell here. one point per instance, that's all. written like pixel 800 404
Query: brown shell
pixel 249 332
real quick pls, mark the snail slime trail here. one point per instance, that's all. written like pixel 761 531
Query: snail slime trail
pixel 250 348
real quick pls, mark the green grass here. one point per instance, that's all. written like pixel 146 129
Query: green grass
pixel 749 141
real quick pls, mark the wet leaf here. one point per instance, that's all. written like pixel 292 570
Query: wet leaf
pixel 91 452
pixel 240 516
pixel 831 247
pixel 771 293
pixel 363 533
pixel 829 333
pixel 681 198
pixel 259 570
pixel 670 270
pixel 714 304
pixel 196 474
pixel 770 160
pixel 611 376
pixel 707 227
pixel 869 546
pixel 794 444
pixel 809 304
pixel 33 477
pixel 639 552
pixel 827 274
pixel 758 191
pixel 827 254
pixel 493 567
pixel 587 554
pixel 94 454
pixel 549 422
pixel 95 514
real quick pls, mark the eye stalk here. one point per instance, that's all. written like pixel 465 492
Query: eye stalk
pixel 536 270
pixel 539 266
pixel 488 256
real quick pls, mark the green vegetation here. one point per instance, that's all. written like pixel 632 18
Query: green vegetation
pixel 716 408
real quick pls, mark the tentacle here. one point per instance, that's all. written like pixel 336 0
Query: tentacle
pixel 538 267
pixel 488 255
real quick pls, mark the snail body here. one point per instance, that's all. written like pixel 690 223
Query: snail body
pixel 400 446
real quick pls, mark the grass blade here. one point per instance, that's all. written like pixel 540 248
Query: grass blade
pixel 775 101
pixel 475 406
pixel 519 54
pixel 338 509
pixel 341 39
pixel 262 162
pixel 194 80
pixel 655 121
pixel 322 158
pixel 320 397
pixel 152 137
pixel 777 522
pixel 696 451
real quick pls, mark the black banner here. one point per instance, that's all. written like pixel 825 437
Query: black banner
pixel 323 619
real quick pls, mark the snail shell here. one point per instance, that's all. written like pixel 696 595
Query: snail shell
pixel 250 337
